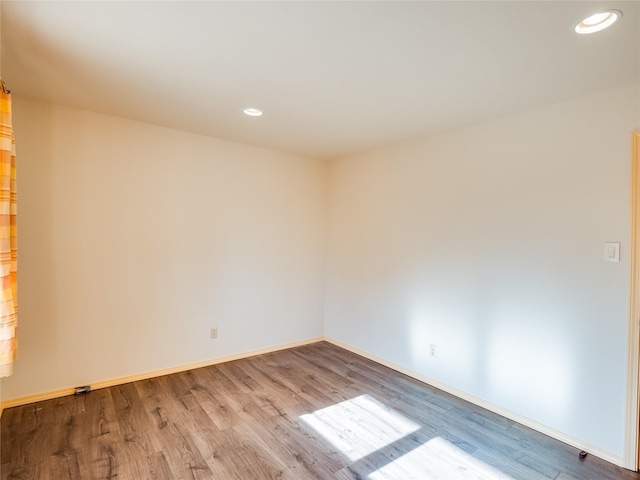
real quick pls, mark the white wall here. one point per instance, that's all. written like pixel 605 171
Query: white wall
pixel 487 241
pixel 136 239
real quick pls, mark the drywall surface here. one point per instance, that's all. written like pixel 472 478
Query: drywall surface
pixel 135 240
pixel 487 242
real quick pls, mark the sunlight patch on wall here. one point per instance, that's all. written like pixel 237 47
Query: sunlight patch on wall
pixel 360 426
pixel 437 459
pixel 531 368
pixel 449 329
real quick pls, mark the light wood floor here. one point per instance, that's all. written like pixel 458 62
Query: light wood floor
pixel 312 412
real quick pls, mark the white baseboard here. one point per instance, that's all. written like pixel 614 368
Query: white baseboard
pixel 38 397
pixel 539 427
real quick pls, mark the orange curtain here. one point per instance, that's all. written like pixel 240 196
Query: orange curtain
pixel 8 237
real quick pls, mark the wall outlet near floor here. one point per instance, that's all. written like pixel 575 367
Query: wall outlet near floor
pixel 433 350
pixel 214 332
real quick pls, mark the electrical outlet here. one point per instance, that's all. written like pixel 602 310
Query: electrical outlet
pixel 433 350
pixel 214 332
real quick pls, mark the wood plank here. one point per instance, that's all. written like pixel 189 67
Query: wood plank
pixel 278 416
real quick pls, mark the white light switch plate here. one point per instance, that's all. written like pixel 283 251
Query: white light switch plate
pixel 611 252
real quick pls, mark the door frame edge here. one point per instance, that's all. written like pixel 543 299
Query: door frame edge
pixel 632 430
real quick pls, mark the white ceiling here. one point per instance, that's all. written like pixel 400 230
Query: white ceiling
pixel 333 78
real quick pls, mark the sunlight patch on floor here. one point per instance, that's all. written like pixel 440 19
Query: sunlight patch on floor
pixel 360 426
pixel 437 459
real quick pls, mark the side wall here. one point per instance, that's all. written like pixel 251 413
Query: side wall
pixel 135 240
pixel 487 242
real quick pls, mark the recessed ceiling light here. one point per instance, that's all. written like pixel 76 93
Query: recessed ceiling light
pixel 252 112
pixel 598 21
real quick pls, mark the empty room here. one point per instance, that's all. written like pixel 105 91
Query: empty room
pixel 377 240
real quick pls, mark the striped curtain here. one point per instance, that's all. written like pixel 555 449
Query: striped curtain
pixel 8 237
